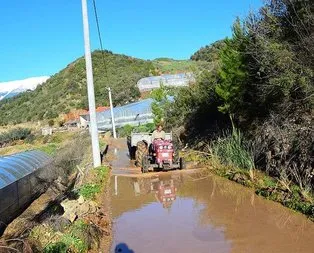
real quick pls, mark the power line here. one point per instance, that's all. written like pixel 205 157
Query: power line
pixel 105 66
pixel 99 37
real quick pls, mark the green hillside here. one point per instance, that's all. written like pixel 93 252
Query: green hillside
pixel 67 90
pixel 209 53
pixel 167 66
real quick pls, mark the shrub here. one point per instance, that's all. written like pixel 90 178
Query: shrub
pixel 232 150
pixel 128 129
pixel 75 240
pixel 125 130
pixel 58 247
pixel 51 122
pixel 30 138
pixel 14 135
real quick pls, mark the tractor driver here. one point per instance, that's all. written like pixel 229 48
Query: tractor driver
pixel 158 133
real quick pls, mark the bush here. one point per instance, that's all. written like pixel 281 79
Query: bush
pixel 58 247
pixel 14 135
pixel 147 128
pixel 128 129
pixel 51 122
pixel 125 130
pixel 30 138
pixel 232 150
pixel 75 240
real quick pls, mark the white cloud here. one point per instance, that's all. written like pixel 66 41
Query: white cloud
pixel 23 85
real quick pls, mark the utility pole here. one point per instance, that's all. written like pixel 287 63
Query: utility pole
pixel 90 89
pixel 112 115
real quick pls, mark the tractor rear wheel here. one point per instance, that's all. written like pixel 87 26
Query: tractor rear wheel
pixel 141 150
pixel 145 164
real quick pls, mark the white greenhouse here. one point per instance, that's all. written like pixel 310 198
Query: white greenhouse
pixel 177 80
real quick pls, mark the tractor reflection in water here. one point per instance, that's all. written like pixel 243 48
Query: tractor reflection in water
pixel 164 190
pixel 166 193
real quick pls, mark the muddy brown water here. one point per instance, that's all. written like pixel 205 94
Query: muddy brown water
pixel 187 212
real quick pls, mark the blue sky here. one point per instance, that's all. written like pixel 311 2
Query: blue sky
pixel 40 37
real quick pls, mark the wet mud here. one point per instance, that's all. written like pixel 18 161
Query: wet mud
pixel 189 212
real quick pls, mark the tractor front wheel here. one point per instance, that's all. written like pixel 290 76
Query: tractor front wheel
pixel 181 164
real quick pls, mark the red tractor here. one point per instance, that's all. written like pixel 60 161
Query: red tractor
pixel 155 154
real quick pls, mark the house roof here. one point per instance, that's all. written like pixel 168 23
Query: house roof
pixel 98 109
pixel 102 108
pixel 74 115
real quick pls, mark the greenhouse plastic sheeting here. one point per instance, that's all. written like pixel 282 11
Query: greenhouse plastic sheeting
pixel 137 113
pixel 22 177
pixel 15 167
pixel 153 82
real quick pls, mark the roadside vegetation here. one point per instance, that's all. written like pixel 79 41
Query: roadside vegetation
pixel 24 139
pixel 14 135
pixel 70 215
pixel 262 79
pixel 171 66
pixel 128 129
pixel 83 234
pixel 232 150
pixel 95 183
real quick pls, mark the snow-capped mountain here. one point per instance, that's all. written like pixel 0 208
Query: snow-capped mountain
pixel 12 88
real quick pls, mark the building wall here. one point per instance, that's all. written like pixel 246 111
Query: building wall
pixel 83 122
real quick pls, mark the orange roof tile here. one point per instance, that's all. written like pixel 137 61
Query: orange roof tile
pixel 102 108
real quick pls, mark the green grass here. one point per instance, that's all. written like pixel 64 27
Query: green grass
pixel 90 190
pixel 49 149
pixel 269 182
pixel 102 173
pixel 48 144
pixel 75 240
pixel 232 150
pixel 58 247
pixel 173 66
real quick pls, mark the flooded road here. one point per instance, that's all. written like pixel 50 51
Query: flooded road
pixel 187 212
pixel 180 213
